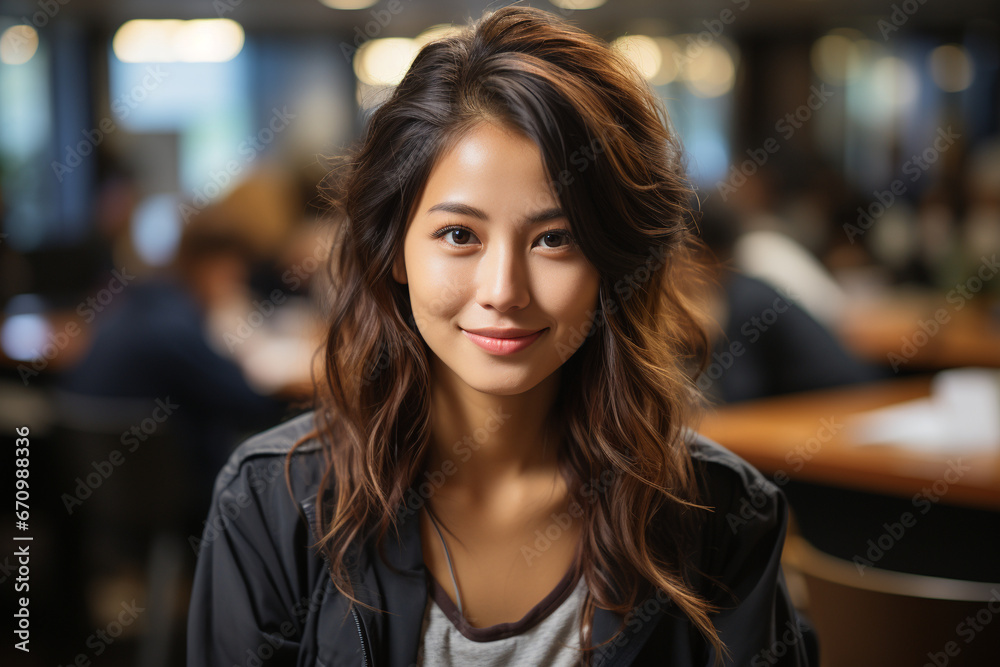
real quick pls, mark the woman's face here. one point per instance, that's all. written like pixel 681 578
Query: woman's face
pixel 488 248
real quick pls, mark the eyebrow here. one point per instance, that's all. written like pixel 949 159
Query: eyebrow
pixel 473 212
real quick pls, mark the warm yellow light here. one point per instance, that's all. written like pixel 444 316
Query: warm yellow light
pixel 577 4
pixel 709 72
pixel 951 68
pixel 348 4
pixel 18 44
pixel 896 80
pixel 436 32
pixel 383 62
pixel 643 51
pixel 173 40
pixel 209 40
pixel 831 58
pixel 369 96
pixel 837 57
pixel 143 40
pixel 670 56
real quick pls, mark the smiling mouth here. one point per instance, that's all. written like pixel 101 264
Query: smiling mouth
pixel 504 346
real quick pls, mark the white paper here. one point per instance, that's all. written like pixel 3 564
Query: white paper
pixel 961 414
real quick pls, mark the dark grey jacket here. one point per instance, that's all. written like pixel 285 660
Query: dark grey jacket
pixel 262 597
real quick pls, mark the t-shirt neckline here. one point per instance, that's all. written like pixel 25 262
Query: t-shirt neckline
pixel 532 617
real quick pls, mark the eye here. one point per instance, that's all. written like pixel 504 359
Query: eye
pixel 456 235
pixel 556 238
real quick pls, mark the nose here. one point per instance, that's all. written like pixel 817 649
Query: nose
pixel 502 280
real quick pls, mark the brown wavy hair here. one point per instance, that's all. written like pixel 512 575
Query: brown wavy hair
pixel 626 392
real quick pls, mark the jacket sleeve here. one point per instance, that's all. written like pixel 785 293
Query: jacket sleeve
pixel 246 605
pixel 757 621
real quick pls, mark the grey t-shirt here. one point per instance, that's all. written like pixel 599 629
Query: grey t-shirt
pixel 549 634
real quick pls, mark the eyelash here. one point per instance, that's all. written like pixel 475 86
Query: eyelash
pixel 555 230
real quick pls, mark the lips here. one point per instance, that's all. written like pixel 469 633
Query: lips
pixel 508 332
pixel 503 341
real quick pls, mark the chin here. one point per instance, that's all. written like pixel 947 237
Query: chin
pixel 488 379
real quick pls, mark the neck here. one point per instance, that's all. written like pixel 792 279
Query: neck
pixel 484 441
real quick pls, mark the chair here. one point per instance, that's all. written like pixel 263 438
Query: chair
pixel 883 618
pixel 131 510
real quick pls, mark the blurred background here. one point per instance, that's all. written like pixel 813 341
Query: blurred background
pixel 163 235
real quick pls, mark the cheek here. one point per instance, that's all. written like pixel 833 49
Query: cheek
pixel 570 294
pixel 437 285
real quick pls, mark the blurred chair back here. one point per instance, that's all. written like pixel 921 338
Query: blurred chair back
pixel 128 462
pixel 131 495
pixel 882 618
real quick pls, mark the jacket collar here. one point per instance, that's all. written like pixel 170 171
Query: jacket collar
pixel 398 583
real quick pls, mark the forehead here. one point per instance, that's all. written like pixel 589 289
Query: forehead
pixel 491 167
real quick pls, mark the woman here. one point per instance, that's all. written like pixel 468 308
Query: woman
pixel 498 469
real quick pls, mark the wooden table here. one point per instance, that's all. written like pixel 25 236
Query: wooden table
pixel 802 436
pixel 893 332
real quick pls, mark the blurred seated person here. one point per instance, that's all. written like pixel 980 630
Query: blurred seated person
pixel 151 343
pixel 770 344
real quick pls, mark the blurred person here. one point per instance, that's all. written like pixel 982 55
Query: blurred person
pixel 152 343
pixel 981 225
pixel 776 224
pixel 280 352
pixel 117 197
pixel 267 203
pixel 15 272
pixel 940 255
pixel 499 469
pixel 148 416
pixel 304 259
pixel 768 343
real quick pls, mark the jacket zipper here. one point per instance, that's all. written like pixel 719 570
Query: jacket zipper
pixel 310 511
pixel 364 649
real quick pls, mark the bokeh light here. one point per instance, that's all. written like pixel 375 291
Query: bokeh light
pixel 173 40
pixel 18 44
